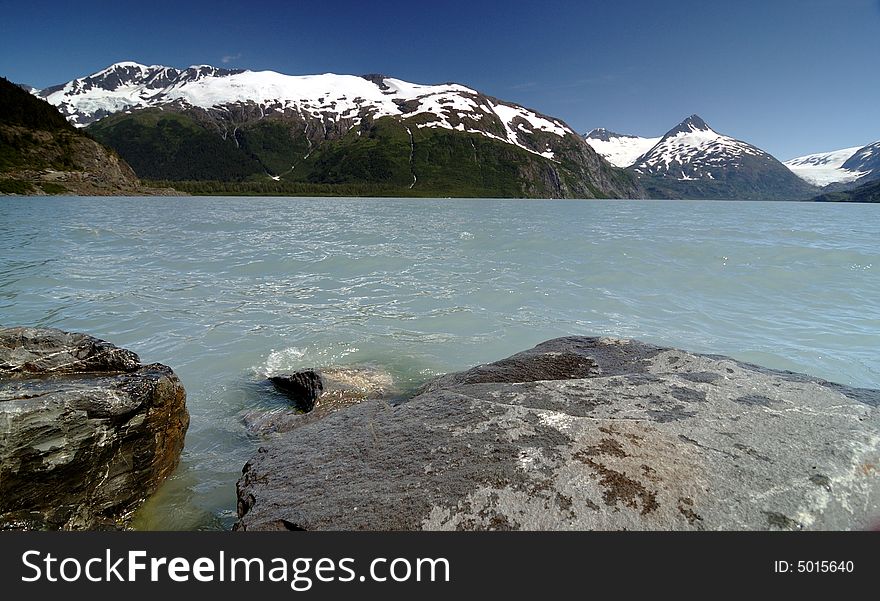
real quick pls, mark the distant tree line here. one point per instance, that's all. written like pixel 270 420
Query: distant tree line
pixel 275 188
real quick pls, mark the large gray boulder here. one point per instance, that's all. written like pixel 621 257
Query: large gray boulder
pixel 584 434
pixel 87 431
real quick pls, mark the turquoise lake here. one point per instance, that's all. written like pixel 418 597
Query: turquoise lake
pixel 229 290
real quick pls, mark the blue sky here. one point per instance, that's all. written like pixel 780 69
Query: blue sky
pixel 791 76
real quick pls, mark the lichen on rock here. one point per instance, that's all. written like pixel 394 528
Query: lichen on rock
pixel 582 434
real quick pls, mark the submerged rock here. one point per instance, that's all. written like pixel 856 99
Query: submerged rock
pixel 316 393
pixel 88 431
pixel 618 434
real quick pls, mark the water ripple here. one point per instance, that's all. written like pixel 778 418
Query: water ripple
pixel 227 290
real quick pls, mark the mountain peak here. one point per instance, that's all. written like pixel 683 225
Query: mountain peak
pixel 121 66
pixel 605 135
pixel 696 120
pixel 695 161
pixel 691 124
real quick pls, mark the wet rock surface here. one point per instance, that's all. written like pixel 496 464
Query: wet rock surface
pixel 617 435
pixel 88 432
pixel 302 387
pixel 316 393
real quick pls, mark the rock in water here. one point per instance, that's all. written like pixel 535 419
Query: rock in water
pixel 316 393
pixel 617 435
pixel 302 387
pixel 88 432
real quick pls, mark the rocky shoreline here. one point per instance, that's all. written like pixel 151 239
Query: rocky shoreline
pixel 582 434
pixel 577 433
pixel 88 432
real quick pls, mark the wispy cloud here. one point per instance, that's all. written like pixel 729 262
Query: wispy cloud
pixel 601 79
pixel 230 58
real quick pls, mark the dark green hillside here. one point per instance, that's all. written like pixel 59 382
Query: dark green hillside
pixel 170 146
pixel 385 157
pixel 468 165
pixel 377 152
pixel 869 192
pixel 27 125
pixel 41 153
pixel 445 163
pixel 275 144
pixel 18 107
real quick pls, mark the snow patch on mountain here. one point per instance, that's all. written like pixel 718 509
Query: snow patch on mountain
pixel 127 86
pixel 621 150
pixel 866 153
pixel 865 160
pixel 824 168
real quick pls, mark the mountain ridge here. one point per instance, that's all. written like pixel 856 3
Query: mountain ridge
pixel 333 129
pixel 832 171
pixel 128 86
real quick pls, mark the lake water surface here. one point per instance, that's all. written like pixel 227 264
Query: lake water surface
pixel 228 290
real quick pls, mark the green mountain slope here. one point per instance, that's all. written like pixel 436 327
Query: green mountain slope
pixel 203 152
pixel 869 192
pixel 164 145
pixel 41 153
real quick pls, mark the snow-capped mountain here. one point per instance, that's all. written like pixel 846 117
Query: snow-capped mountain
pixel 119 87
pixel 692 160
pixel 825 168
pixel 329 97
pixel 208 124
pixel 692 150
pixel 621 150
